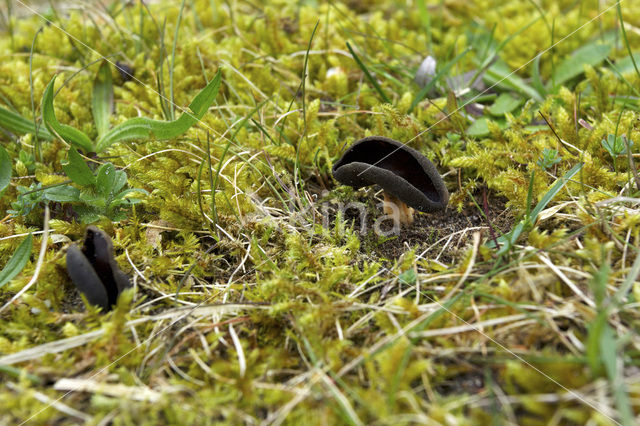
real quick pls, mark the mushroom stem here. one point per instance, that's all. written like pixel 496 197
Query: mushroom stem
pixel 395 208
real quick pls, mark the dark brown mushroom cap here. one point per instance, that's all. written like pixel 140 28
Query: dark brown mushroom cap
pixel 95 271
pixel 398 169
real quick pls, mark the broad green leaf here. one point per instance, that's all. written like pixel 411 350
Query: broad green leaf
pixel 503 104
pixel 91 198
pixel 5 168
pixel 17 261
pixel 479 127
pixel 70 134
pixel 119 181
pixel 18 124
pixel 590 54
pixel 501 75
pixel 106 178
pixel 102 102
pixel 625 64
pixel 143 128
pixel 87 214
pixel 62 194
pixel 77 169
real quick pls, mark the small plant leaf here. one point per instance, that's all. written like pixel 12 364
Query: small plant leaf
pixel 124 195
pixel 77 170
pixel 142 127
pixel 18 124
pixel 17 262
pixel 625 64
pixel 501 75
pixel 106 178
pixel 62 194
pixel 5 169
pixel 102 102
pixel 503 104
pixel 590 54
pixel 119 181
pixel 480 127
pixel 70 134
pixel 615 145
pixel 408 277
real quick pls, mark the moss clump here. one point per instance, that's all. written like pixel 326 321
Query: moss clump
pixel 258 295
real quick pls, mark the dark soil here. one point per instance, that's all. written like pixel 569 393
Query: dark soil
pixel 432 230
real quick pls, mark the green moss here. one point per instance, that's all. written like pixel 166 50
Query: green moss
pixel 274 306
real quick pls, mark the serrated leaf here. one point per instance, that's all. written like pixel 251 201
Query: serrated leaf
pixel 102 101
pixel 143 128
pixel 16 123
pixel 17 262
pixel 77 170
pixel 70 134
pixel 591 54
pixel 62 194
pixel 5 169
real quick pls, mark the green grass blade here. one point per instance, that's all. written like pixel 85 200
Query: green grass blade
pixel 102 102
pixel 557 187
pixel 37 146
pixel 18 124
pixel 5 169
pixel 172 100
pixel 537 78
pixel 214 182
pixel 17 262
pixel 443 71
pixel 626 41
pixel 590 54
pixel 72 135
pixel 366 72
pixel 507 241
pixel 142 127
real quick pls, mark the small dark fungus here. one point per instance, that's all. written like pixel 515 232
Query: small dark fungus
pixel 126 71
pixel 94 270
pixel 408 179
